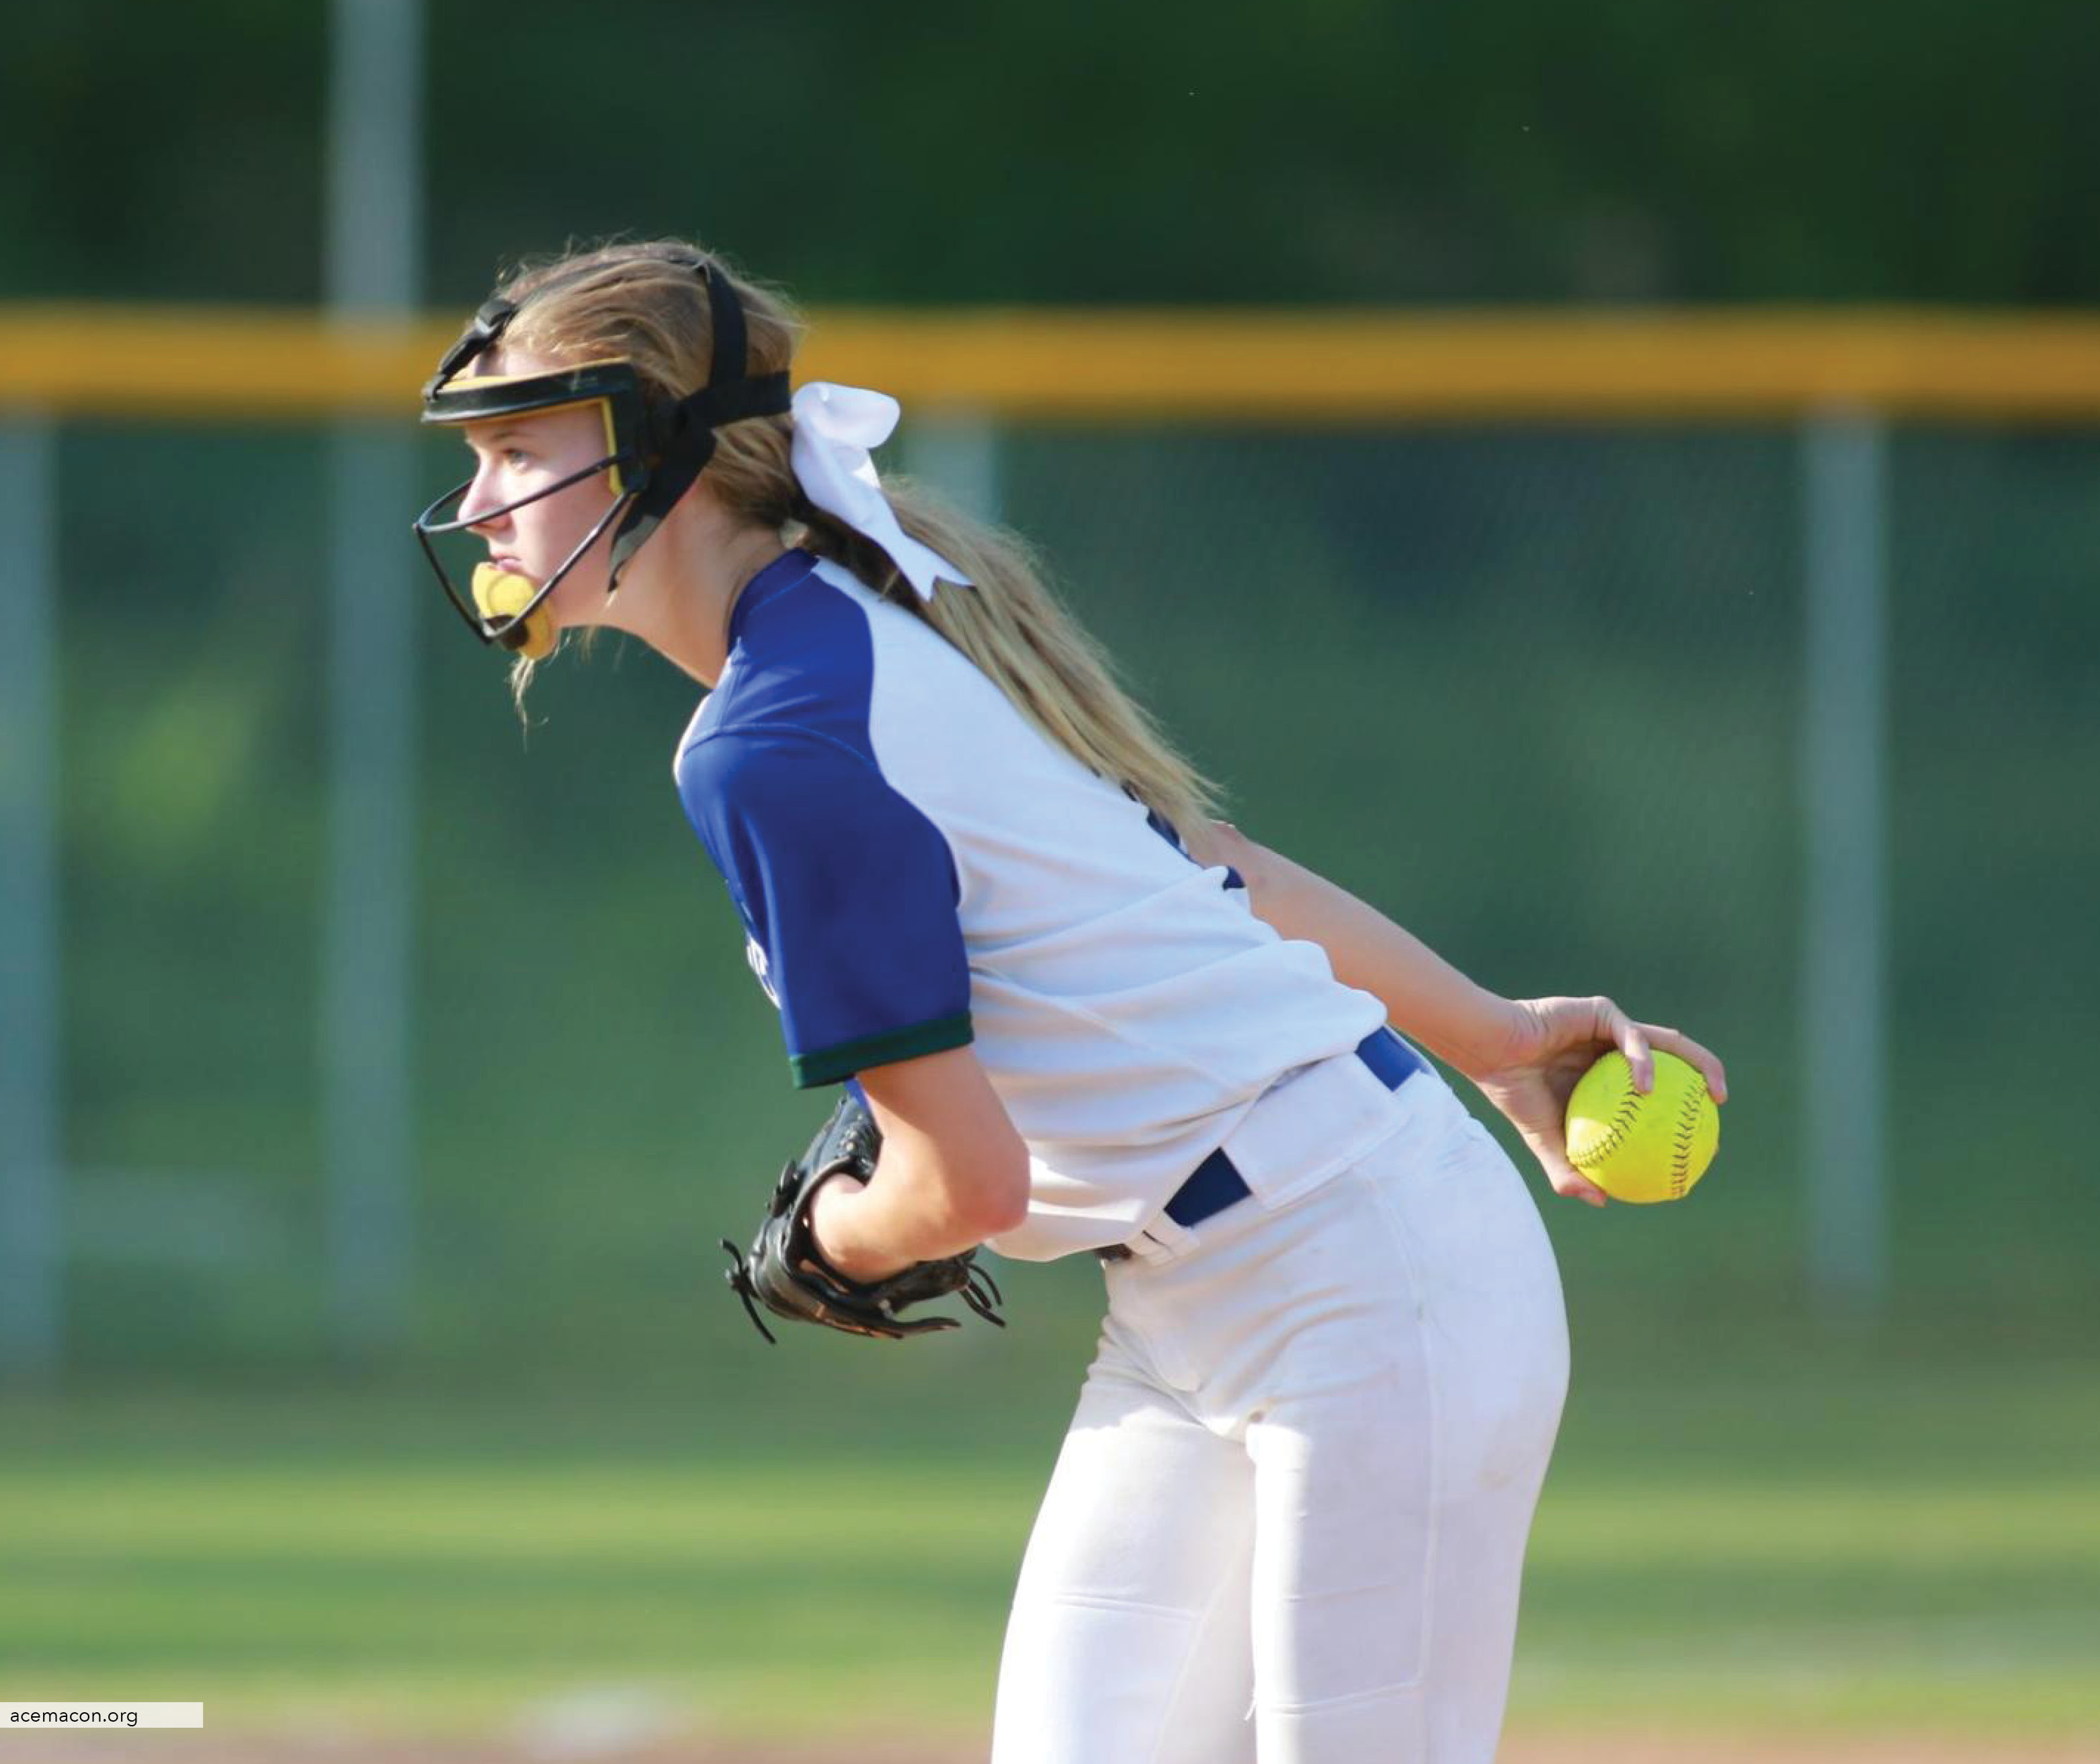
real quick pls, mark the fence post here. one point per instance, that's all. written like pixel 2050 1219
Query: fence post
pixel 956 452
pixel 32 1231
pixel 373 273
pixel 1844 978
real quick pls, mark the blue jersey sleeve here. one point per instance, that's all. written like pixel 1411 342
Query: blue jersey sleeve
pixel 848 892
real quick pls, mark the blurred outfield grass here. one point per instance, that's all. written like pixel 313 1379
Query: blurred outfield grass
pixel 1810 1543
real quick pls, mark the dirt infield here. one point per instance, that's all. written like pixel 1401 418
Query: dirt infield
pixel 1806 1748
pixel 159 1748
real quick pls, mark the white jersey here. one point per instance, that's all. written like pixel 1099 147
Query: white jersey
pixel 918 868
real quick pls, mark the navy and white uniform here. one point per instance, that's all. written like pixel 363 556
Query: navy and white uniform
pixel 1292 1506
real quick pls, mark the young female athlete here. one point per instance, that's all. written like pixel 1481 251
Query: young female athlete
pixel 1289 1518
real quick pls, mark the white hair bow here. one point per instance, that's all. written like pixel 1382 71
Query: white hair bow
pixel 835 426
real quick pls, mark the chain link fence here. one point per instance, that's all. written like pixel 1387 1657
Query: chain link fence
pixel 1538 692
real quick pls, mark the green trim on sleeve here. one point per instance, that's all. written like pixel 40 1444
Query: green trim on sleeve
pixel 828 1066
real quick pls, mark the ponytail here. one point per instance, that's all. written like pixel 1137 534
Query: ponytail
pixel 1023 638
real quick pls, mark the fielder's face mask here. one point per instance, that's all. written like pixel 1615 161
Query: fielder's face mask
pixel 655 448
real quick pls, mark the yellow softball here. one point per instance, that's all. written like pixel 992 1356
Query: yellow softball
pixel 1637 1148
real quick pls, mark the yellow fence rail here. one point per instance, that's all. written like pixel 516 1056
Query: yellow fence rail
pixel 1299 366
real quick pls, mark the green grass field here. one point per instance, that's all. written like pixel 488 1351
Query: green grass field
pixel 1801 1547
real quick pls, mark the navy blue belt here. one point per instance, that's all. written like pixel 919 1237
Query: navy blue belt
pixel 1216 1183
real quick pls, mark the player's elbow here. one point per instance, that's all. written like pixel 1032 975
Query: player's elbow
pixel 997 1200
pixel 1012 1209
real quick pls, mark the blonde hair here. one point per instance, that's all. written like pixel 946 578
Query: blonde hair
pixel 643 303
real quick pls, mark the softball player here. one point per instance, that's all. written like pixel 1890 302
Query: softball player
pixel 1288 1521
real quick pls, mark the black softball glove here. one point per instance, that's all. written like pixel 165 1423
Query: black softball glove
pixel 785 1274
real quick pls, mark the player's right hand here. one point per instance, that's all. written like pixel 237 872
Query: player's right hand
pixel 1553 1042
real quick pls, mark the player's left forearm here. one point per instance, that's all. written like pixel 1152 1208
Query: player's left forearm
pixel 870 1233
pixel 952 1171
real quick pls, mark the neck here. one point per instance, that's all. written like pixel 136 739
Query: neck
pixel 679 593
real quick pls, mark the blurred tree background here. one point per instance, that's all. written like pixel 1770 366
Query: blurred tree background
pixel 1332 151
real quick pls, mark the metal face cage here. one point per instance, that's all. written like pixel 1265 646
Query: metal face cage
pixel 655 448
pixel 615 388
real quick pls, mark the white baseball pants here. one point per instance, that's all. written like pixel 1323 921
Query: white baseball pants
pixel 1289 1520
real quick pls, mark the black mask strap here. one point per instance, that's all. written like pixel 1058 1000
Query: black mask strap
pixel 480 334
pixel 683 436
pixel 729 356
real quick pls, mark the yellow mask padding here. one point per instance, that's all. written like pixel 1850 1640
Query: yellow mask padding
pixel 612 445
pixel 478 398
pixel 484 386
pixel 503 594
pixel 604 417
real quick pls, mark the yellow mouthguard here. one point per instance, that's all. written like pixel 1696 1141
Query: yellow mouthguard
pixel 501 594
